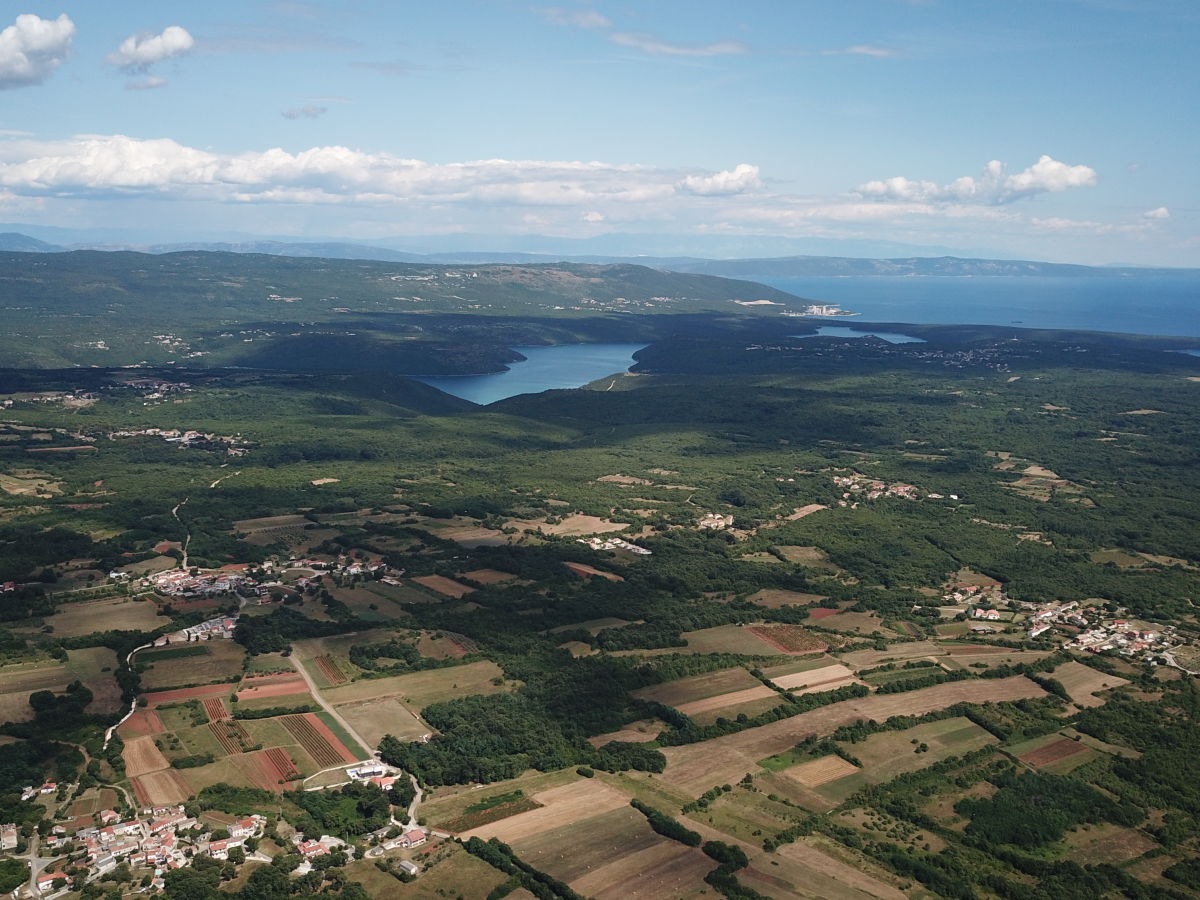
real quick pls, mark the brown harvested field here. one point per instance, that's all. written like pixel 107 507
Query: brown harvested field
pixel 822 612
pixel 330 670
pixel 575 851
pixel 317 740
pixel 773 598
pixel 826 678
pixel 443 585
pixel 723 701
pixel 91 616
pixel 372 719
pixel 634 733
pixel 1082 682
pixel 162 788
pixel 666 869
pixel 561 806
pixel 808 870
pixel 143 722
pixel 821 771
pixel 791 638
pixel 700 687
pixel 142 756
pixel 422 688
pixel 899 652
pixel 489 576
pixel 695 768
pixel 1053 752
pixel 215 709
pixel 280 688
pixel 156 698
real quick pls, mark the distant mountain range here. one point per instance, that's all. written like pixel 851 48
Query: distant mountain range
pixel 773 267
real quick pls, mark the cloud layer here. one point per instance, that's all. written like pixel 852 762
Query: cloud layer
pixel 104 165
pixel 31 48
pixel 1047 175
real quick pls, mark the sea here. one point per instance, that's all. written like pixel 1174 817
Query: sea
pixel 1150 304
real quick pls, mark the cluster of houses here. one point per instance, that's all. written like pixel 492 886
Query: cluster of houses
pixel 181 583
pixel 194 440
pixel 1125 638
pixel 160 838
pixel 714 521
pixel 856 485
pixel 615 543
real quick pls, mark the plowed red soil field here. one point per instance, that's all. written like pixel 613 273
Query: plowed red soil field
pixel 204 690
pixel 1050 753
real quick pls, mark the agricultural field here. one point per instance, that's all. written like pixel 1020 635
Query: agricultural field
pixel 453 872
pixel 738 639
pixel 613 854
pixel 372 719
pixel 891 753
pixel 19 681
pixel 776 598
pixel 142 756
pixel 423 688
pixel 221 662
pixel 1083 683
pixel 161 788
pixel 444 586
pixel 696 767
pixel 557 807
pixel 157 698
pixel 792 639
pixel 119 613
pixel 684 691
pixel 898 653
pixel 271 686
pixel 811 680
pixel 812 867
pixel 318 740
pixel 1053 753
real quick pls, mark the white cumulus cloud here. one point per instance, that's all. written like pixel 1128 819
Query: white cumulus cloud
pixel 31 48
pixel 1160 213
pixel 743 177
pixel 993 186
pixel 139 52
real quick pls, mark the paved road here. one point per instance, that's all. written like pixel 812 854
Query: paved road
pixel 312 688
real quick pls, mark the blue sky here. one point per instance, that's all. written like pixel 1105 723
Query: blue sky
pixel 1051 129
